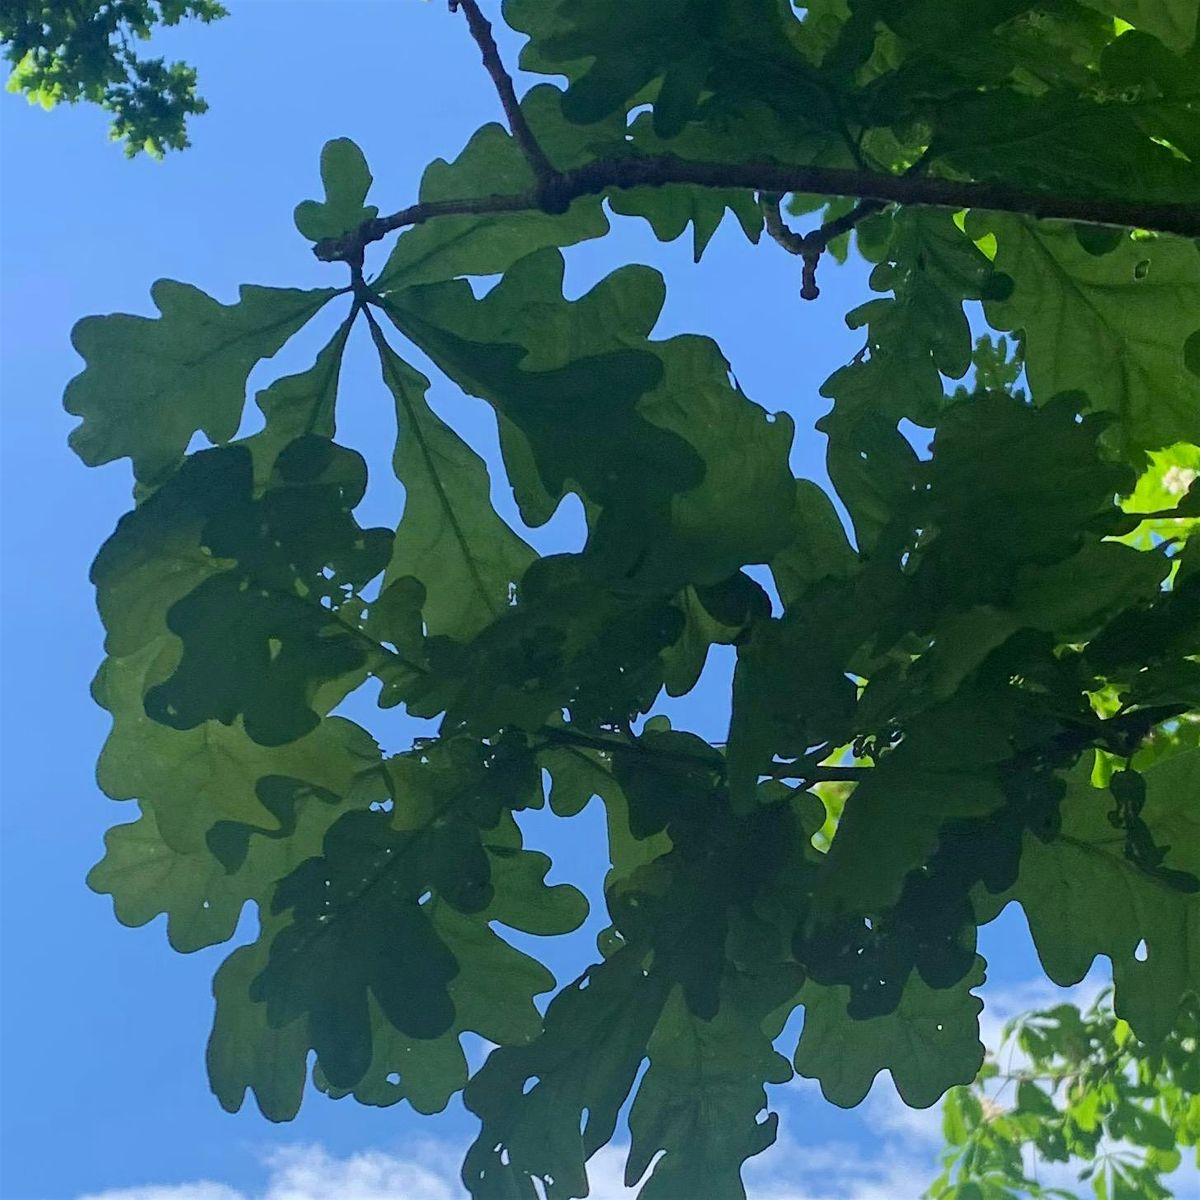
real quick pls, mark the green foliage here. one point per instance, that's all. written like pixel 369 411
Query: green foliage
pixel 989 694
pixel 73 52
pixel 182 373
pixel 1076 1087
pixel 1080 891
pixel 1110 325
pixel 930 1039
pixel 665 452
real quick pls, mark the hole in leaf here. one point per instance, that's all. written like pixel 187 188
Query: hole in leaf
pixel 394 1078
pixel 1140 951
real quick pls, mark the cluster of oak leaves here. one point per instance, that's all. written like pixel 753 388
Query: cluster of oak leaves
pixel 988 695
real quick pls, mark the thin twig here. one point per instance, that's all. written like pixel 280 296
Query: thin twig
pixel 571 737
pixel 657 170
pixel 771 204
pixel 846 222
pixel 813 244
pixel 810 246
pixel 817 242
pixel 481 31
pixel 809 775
pixel 783 771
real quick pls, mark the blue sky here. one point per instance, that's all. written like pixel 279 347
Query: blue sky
pixel 104 1027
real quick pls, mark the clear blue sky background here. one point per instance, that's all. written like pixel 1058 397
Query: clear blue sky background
pixel 104 1028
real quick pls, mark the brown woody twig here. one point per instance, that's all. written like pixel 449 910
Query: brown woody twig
pixel 481 31
pixel 658 170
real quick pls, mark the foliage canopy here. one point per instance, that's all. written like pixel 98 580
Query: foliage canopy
pixel 83 51
pixel 990 694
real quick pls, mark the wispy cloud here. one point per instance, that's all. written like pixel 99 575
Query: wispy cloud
pixel 833 1172
pixel 310 1173
pixel 204 1190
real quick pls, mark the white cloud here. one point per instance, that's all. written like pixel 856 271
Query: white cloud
pixel 833 1171
pixel 838 1171
pixel 792 1172
pixel 204 1190
pixel 310 1173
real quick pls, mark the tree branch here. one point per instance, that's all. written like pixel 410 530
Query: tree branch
pixel 557 190
pixel 481 31
pixel 570 737
pixel 785 771
pixel 658 170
